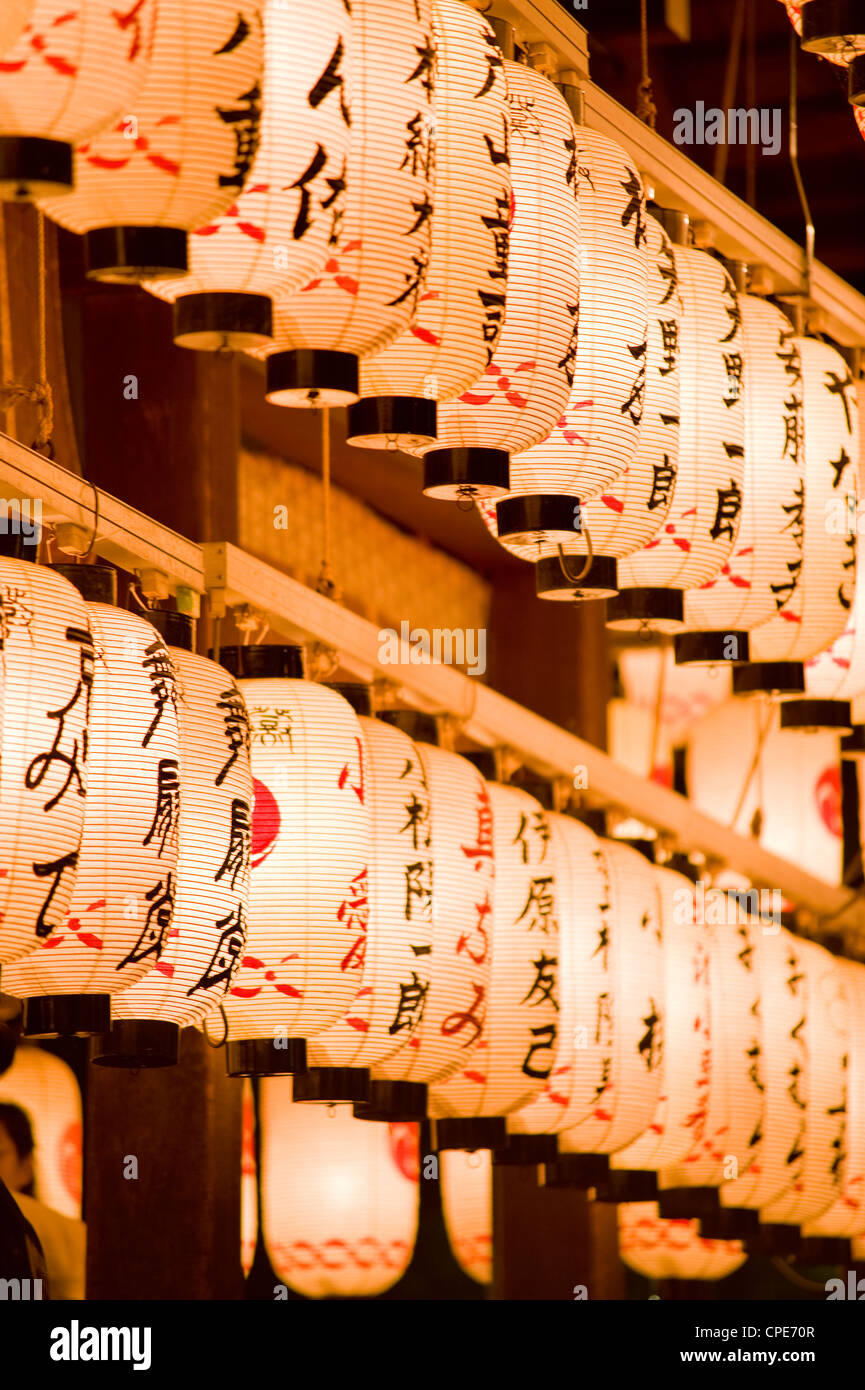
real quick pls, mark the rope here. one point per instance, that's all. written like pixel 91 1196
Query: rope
pixel 40 395
pixel 646 108
pixel 326 583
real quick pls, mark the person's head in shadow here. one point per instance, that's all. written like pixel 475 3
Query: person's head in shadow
pixel 16 1149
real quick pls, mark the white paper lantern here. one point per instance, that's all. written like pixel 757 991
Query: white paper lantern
pixel 47 1090
pixel 838 672
pixel 467 1206
pixel 184 154
pixel 72 72
pixel 16 14
pixel 525 387
pixel 754 583
pixel 339 1198
pixel 368 290
pixel 461 310
pixel 120 913
pixel 660 1249
pixel 277 233
pixel 248 1182
pixel 700 531
pixel 47 675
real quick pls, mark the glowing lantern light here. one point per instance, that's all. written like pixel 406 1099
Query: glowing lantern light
pixel 47 1090
pixel 47 671
pixel 16 14
pixel 368 291
pixel 72 72
pixel 752 586
pixel 275 235
pixel 660 1249
pixel 120 913
pixel 205 945
pixel 461 310
pixel 339 1198
pixel 184 155
pixel 308 902
pixel 700 531
pixel 525 388
pixel 248 1183
pixel 467 1206
pixel 815 601
pixel 835 677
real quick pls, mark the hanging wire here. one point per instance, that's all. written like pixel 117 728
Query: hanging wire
pixel 590 555
pixel 326 584
pixel 754 769
pixel 794 163
pixel 731 79
pixel 646 108
pixel 39 394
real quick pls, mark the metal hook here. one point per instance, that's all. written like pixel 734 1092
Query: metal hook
pixel 590 555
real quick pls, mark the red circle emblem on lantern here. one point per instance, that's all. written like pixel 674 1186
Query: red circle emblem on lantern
pixel 827 794
pixel 266 822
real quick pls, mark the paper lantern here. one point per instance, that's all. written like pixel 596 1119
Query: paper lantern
pixel 509 1066
pixel 45 693
pixel 72 71
pixel 833 28
pixel 47 1090
pixel 248 1182
pixel 339 1198
pixel 467 1206
pixel 700 531
pixel 660 1249
pixel 183 156
pixel 525 387
pixel 16 14
pixel 368 290
pixel 835 677
pixel 461 310
pixel 815 601
pixel 116 928
pixel 276 234
pixel 308 902
pixel 754 583
pixel 206 942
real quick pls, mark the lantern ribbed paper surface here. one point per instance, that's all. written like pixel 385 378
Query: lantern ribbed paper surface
pixel 122 902
pixel 509 1067
pixel 661 1249
pixel 339 1197
pixel 368 290
pixel 47 676
pixel 308 904
pixel 275 235
pixel 208 930
pixel 16 14
pixel 838 672
pixel 47 1089
pixel 467 1206
pixel 184 154
pixel 248 1182
pixel 73 71
pixel 393 971
pixel 453 1010
pixel 754 582
pixel 700 531
pixel 461 309
pixel 525 388
pixel 818 598
pixel 846 1216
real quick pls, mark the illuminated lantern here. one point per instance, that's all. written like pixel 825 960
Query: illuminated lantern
pixel 509 1066
pixel 47 671
pixel 205 945
pixel 461 309
pixel 72 72
pixel 16 14
pixel 339 1198
pixel 248 1182
pixel 47 1090
pixel 835 677
pixel 814 602
pixel 467 1207
pixel 367 292
pixel 595 438
pixel 185 153
pixel 308 900
pixel 660 1249
pixel 118 920
pixel 700 531
pixel 275 235
pixel 525 387
pixel 753 584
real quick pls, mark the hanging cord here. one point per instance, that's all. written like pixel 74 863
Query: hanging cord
pixel 326 584
pixel 590 555
pixel 207 1038
pixel 731 78
pixel 40 395
pixel 754 768
pixel 659 710
pixel 646 108
pixel 794 164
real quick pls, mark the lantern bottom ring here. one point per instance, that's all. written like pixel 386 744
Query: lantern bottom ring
pixel 526 1150
pixel 330 1085
pixel 67 1015
pixel 711 648
pixel 34 168
pixel 128 255
pixel 808 716
pixel 853 745
pixel 223 321
pixel 450 475
pixel 856 81
pixel 688 1203
pixel 775 1238
pixel 266 1057
pixel 394 1102
pixel 769 678
pixel 661 610
pixel 628 1185
pixel 824 1250
pixel 576 1170
pixel 730 1223
pixel 600 582
pixel 473 1132
pixel 835 27
pixel 137 1043
pixel 408 423
pixel 312 379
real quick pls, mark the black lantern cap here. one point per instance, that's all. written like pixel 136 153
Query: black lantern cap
pixel 393 1102
pixel 381 422
pixel 774 1238
pixel 526 1151
pixel 358 695
pixel 853 746
pixel 807 715
pixel 453 474
pixel 175 629
pixel 329 1085
pixel 95 583
pixel 688 1203
pixel 856 81
pixel 137 1043
pixel 730 1223
pixel 529 515
pixel 710 648
pixel 262 662
pixel 824 1250
pixel 222 319
pixel 601 581
pixel 262 1057
pixel 14 545
pixel 135 253
pixel 633 607
pixel 627 1185
pixel 486 760
pixel 832 22
pixel 769 678
pixel 422 728
pixel 575 1170
pixel 311 377
pixel 67 1015
pixel 39 167
pixel 477 1132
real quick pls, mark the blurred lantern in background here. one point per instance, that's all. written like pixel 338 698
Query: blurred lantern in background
pixel 183 156
pixel 46 1089
pixel 276 233
pixel 248 1182
pixel 660 1249
pixel 15 16
pixel 835 677
pixel 461 309
pixel 467 1205
pixel 71 72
